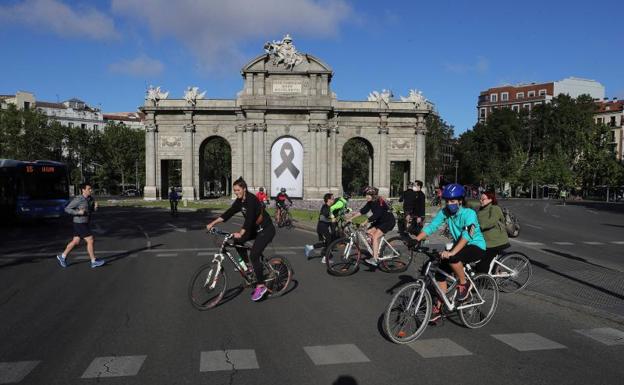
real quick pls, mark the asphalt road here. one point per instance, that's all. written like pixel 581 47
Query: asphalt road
pixel 130 322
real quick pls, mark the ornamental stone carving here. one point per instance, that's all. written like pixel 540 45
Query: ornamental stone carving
pixel 283 53
pixel 400 144
pixel 191 95
pixel 154 94
pixel 418 99
pixel 171 141
pixel 151 127
pixel 383 96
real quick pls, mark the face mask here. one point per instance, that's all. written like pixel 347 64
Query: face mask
pixel 415 188
pixel 452 209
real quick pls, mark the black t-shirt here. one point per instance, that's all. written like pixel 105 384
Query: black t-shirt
pixel 253 212
pixel 325 215
pixel 409 200
pixel 379 208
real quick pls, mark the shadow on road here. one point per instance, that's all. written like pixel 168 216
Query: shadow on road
pixel 575 258
pixel 345 380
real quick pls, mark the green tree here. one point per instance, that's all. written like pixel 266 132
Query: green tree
pixel 356 162
pixel 439 133
pixel 120 148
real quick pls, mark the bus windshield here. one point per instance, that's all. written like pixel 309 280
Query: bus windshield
pixel 43 182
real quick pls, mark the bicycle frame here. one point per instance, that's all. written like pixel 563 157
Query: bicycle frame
pixel 358 235
pixel 504 274
pixel 220 257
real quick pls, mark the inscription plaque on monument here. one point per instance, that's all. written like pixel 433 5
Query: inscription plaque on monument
pixel 287 86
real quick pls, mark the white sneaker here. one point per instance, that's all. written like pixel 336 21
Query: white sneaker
pixel 371 261
pixel 307 250
pixel 324 260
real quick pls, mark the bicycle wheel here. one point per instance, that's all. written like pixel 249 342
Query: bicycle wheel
pixel 405 318
pixel 279 275
pixel 479 315
pixel 343 257
pixel 518 266
pixel 288 220
pixel 207 286
pixel 399 254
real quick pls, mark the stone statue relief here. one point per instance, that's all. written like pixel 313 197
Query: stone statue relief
pixel 283 52
pixel 191 95
pixel 384 96
pixel 418 99
pixel 154 94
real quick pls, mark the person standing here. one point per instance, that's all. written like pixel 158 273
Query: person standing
pixel 81 208
pixel 419 208
pixel 408 197
pixel 324 228
pixel 173 200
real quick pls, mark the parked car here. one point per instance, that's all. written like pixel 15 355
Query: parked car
pixel 131 193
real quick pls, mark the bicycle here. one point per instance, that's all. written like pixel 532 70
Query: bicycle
pixel 209 283
pixel 285 219
pixel 412 304
pixel 512 271
pixel 344 254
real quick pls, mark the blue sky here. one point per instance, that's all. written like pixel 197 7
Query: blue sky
pixel 107 52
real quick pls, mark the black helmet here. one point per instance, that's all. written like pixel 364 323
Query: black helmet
pixel 262 189
pixel 370 190
pixel 283 190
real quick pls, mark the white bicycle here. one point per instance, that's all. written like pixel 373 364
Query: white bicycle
pixel 512 271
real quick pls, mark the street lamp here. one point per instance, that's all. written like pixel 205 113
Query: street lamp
pixel 456 166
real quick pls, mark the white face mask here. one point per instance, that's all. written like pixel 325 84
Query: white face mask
pixel 415 188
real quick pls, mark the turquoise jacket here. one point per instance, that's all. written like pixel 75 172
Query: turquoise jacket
pixel 458 225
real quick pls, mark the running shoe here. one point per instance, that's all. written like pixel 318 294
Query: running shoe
pixel 436 314
pixel 97 263
pixel 307 250
pixel 463 291
pixel 61 260
pixel 371 261
pixel 258 293
pixel 324 260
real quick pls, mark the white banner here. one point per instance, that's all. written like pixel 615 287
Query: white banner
pixel 287 167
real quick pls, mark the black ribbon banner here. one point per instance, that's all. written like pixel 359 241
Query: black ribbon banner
pixel 287 159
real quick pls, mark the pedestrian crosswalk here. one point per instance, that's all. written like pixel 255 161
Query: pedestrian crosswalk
pixel 317 355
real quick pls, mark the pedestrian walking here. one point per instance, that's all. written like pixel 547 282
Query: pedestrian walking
pixel 81 208
pixel 173 201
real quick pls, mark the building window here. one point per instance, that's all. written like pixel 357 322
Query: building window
pixel 520 95
pixel 95 126
pixel 537 103
pixel 527 106
pixel 70 125
pixel 599 120
pixel 482 113
pixel 504 96
pixel 531 94
pixel 83 126
pixel 612 122
pixel 515 107
pixel 494 98
pixel 27 105
pixel 542 92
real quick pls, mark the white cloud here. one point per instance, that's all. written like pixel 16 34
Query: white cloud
pixel 214 30
pixel 482 65
pixel 55 16
pixel 140 66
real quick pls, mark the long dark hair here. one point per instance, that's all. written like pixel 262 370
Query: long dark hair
pixel 240 182
pixel 491 195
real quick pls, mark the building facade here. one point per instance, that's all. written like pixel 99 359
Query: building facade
pixel 527 96
pixel 71 113
pixel 135 120
pixel 611 113
pixel 285 128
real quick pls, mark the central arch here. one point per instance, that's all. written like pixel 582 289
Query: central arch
pixel 215 168
pixel 357 165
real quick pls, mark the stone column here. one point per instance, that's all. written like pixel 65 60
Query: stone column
pixel 384 166
pixel 259 152
pixel 333 164
pixel 324 161
pixel 421 131
pixel 310 180
pixel 188 171
pixel 150 191
pixel 248 169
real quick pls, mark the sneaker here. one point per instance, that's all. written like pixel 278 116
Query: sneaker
pixel 258 293
pixel 436 314
pixel 463 291
pixel 307 250
pixel 371 261
pixel 97 263
pixel 61 260
pixel 324 260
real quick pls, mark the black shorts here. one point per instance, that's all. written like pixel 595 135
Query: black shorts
pixel 385 225
pixel 469 253
pixel 82 230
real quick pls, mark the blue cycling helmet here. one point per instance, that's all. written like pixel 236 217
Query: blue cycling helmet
pixel 453 191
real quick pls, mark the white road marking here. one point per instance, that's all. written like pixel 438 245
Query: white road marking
pixel 593 243
pixel 114 366
pixel 175 228
pixel 217 360
pixel 524 342
pixel 535 227
pixel 592 212
pixel 14 372
pixel 335 354
pixel 161 255
pixel 564 243
pixel 618 242
pixel 438 347
pixel 607 336
pixel 527 243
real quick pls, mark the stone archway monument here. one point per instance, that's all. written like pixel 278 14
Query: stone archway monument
pixel 286 128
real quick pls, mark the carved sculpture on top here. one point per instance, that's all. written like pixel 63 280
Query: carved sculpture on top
pixel 154 94
pixel 384 96
pixel 283 52
pixel 191 95
pixel 418 99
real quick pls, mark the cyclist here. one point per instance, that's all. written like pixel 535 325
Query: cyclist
pixel 468 245
pixel 381 220
pixel 280 203
pixel 324 228
pixel 492 222
pixel 257 225
pixel 262 197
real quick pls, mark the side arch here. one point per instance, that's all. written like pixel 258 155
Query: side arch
pixel 215 167
pixel 357 165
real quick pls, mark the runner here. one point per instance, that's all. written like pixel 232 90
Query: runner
pixel 81 208
pixel 325 228
pixel 257 226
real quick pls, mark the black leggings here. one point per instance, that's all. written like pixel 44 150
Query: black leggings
pixel 490 253
pixel 325 233
pixel 262 240
pixel 469 253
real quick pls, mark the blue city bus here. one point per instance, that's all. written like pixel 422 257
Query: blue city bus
pixel 32 190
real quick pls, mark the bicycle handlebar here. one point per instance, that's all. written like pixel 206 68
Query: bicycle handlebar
pixel 218 231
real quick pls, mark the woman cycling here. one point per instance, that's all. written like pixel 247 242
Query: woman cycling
pixel 492 223
pixel 381 220
pixel 468 242
pixel 257 225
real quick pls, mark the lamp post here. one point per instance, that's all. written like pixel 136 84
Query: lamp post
pixel 456 167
